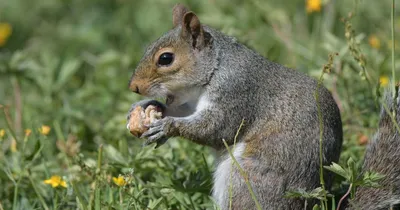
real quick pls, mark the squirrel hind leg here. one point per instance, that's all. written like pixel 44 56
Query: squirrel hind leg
pixel 230 190
pixel 222 177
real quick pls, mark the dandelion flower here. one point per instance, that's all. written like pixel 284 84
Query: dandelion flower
pixel 28 132
pixel 120 181
pixel 5 32
pixel 374 42
pixel 44 130
pixel 313 6
pixel 56 181
pixel 384 81
pixel 2 133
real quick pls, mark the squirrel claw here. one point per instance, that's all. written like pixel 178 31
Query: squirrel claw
pixel 157 132
pixel 158 143
pixel 156 137
pixel 152 131
pixel 161 142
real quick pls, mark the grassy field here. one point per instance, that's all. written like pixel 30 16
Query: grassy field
pixel 64 71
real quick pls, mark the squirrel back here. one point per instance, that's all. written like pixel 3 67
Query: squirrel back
pixel 383 156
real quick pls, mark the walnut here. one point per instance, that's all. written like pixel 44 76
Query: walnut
pixel 140 119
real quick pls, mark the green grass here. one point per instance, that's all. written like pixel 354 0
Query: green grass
pixel 67 64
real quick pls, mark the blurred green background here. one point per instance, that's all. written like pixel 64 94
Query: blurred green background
pixel 64 71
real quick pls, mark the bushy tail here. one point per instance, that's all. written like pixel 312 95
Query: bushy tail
pixel 383 156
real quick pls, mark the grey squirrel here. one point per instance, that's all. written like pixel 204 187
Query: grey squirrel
pixel 211 83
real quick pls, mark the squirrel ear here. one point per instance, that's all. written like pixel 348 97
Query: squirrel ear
pixel 177 14
pixel 192 29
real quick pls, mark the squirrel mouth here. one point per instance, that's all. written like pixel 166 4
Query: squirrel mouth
pixel 170 100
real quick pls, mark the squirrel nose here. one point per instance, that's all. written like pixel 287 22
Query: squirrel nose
pixel 139 86
pixel 135 88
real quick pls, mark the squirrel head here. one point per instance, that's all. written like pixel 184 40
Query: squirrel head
pixel 175 62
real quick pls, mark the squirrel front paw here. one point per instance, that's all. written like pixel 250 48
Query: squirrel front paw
pixel 159 131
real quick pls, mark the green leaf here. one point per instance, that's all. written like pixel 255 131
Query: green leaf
pixel 371 179
pixel 68 69
pixel 166 191
pixel 114 154
pixel 316 207
pixel 352 170
pixel 337 169
pixel 154 204
pixel 317 193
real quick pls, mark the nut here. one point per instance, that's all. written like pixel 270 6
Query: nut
pixel 140 119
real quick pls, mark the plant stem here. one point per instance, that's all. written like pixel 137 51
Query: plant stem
pixel 387 110
pixel 78 194
pixel 97 194
pixel 99 158
pixel 18 106
pixel 393 61
pixel 8 120
pixel 1 206
pixel 393 45
pixel 321 134
pixel 244 174
pixel 344 196
pixel 42 201
pixel 121 199
pixel 230 177
pixel 16 194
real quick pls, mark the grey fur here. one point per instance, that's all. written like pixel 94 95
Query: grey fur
pixel 382 156
pixel 281 128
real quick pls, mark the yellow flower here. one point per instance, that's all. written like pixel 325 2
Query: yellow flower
pixel 120 181
pixel 313 6
pixel 56 181
pixel 374 42
pixel 13 145
pixel 2 133
pixel 384 81
pixel 5 32
pixel 45 130
pixel 28 132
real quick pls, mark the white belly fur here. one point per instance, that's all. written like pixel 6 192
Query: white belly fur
pixel 222 176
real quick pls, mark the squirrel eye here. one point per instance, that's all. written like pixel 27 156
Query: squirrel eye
pixel 165 59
